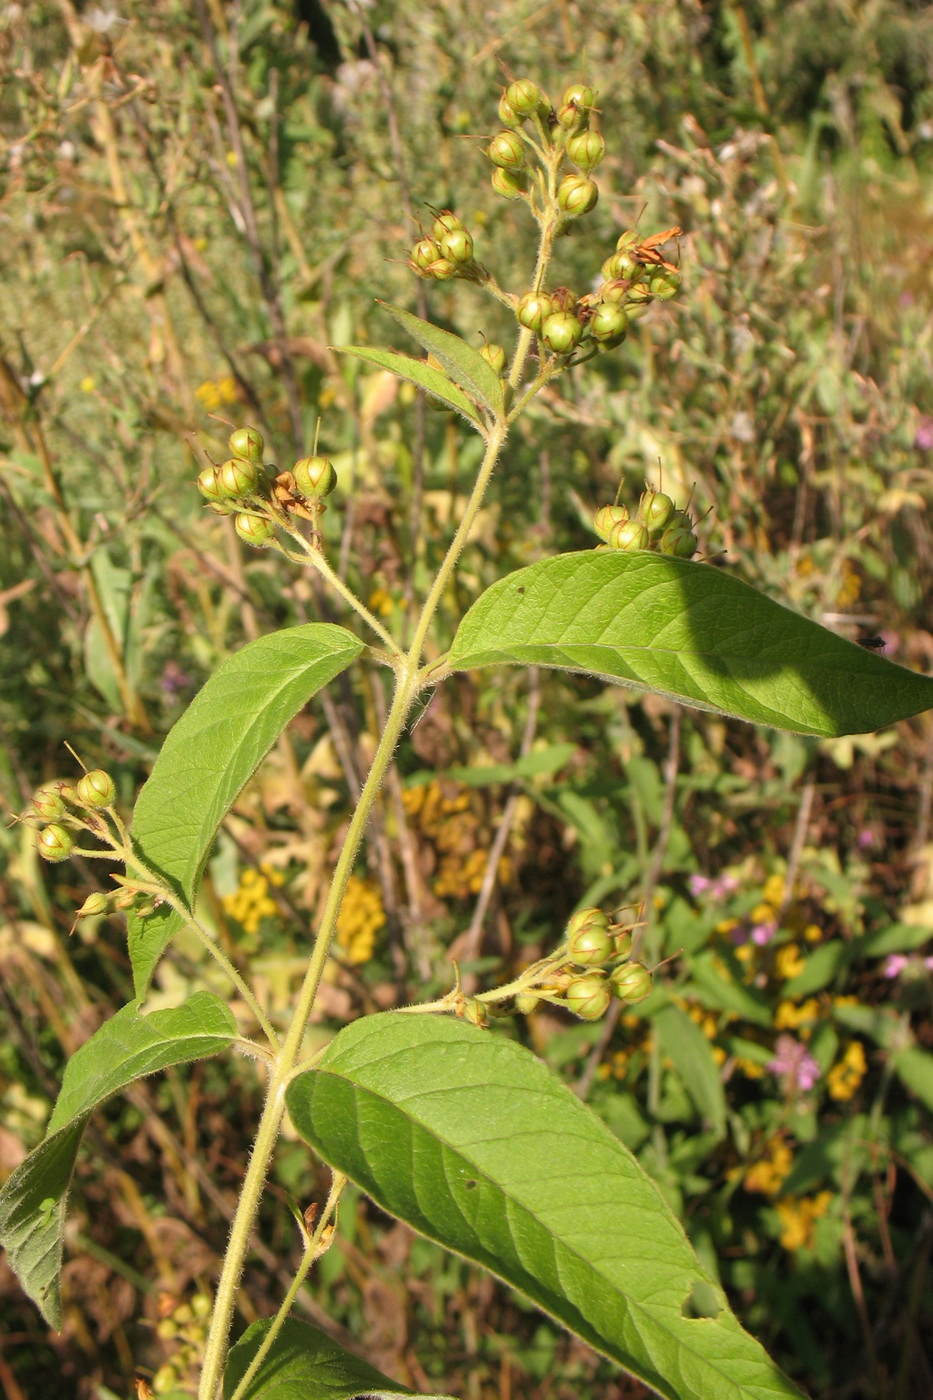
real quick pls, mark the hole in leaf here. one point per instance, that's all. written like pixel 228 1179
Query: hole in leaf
pixel 470 1185
pixel 701 1301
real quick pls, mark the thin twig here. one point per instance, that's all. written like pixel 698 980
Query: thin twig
pixel 796 849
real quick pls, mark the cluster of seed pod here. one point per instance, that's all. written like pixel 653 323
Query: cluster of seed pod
pixel 597 968
pixel 446 252
pixel 568 129
pixel 244 487
pixel 657 524
pixel 60 809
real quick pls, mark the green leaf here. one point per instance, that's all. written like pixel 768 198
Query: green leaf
pixel 693 1059
pixel 128 1046
pixel 914 1068
pixel 532 765
pixel 465 365
pixel 689 631
pixel 471 1140
pixel 212 751
pixel 305 1364
pixel 896 938
pixel 821 967
pixel 417 372
pixel 717 977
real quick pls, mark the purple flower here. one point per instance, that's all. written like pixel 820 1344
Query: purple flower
pixel 698 884
pixel 794 1061
pixel 762 934
pixel 895 965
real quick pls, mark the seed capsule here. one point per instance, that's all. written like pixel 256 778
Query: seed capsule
pixel 509 183
pixel 628 535
pixel 588 997
pixel 238 477
pixel 577 195
pixel 562 332
pixel 590 945
pixel 655 509
pixel 255 530
pixel 47 804
pixel 457 245
pixel 608 324
pixel 606 517
pixel 507 151
pixel 248 443
pixel 55 843
pixel 209 485
pixel 586 149
pixel 315 477
pixel 532 309
pixel 631 983
pixel 423 254
pixel 97 789
pixel 524 97
pixel 494 355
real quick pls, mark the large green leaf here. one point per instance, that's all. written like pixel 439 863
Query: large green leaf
pixel 471 1140
pixel 465 365
pixel 212 751
pixel 128 1046
pixel 417 372
pixel 305 1364
pixel 689 631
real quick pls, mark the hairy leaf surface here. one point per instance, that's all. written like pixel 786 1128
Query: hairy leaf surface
pixel 465 365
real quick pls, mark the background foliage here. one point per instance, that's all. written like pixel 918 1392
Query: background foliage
pixel 196 202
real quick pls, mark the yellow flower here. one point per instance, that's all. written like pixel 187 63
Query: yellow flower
pixel 767 1175
pixel 88 384
pixel 251 902
pixel 845 1076
pixel 360 919
pixel 789 1015
pixel 214 393
pixel 813 933
pixel 749 1068
pixel 788 961
pixel 380 602
pixel 798 1218
pixel 773 892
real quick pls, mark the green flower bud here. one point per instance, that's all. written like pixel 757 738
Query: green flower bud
pixel 507 151
pixel 562 332
pixel 55 842
pixel 655 510
pixel 202 1305
pixel 442 269
pixel 96 789
pixel 586 149
pixel 524 97
pixel 606 517
pixel 572 119
pixel 532 310
pixel 665 284
pixel 678 539
pixel 238 477
pixel 626 240
pixel 47 804
pixel 508 183
pixel 423 254
pixel 608 324
pixel 494 355
pixel 622 265
pixel 248 443
pixel 209 484
pixel 588 997
pixel 577 195
pixel 525 1003
pixel 628 535
pixel 457 245
pixel 315 477
pixel 255 530
pixel 590 946
pixel 613 293
pixel 631 982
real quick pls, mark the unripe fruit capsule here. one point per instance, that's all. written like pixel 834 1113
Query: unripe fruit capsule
pixel 588 997
pixel 209 484
pixel 572 119
pixel 524 97
pixel 581 94
pixel 423 254
pixel 457 245
pixel 315 476
pixel 532 309
pixel 622 944
pixel 255 530
pixel 55 843
pixel 680 541
pixel 525 1003
pixel 239 477
pixel 608 324
pixel 446 222
pixel 577 195
pixel 606 517
pixel 655 510
pixel 97 789
pixel 562 332
pixel 665 285
pixel 508 183
pixel 507 151
pixel 628 535
pixel 95 904
pixel 631 983
pixel 442 269
pixel 507 113
pixel 589 946
pixel 47 804
pixel 592 917
pixel 248 443
pixel 494 355
pixel 586 149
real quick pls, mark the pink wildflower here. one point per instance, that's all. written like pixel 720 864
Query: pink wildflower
pixel 895 965
pixel 794 1061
